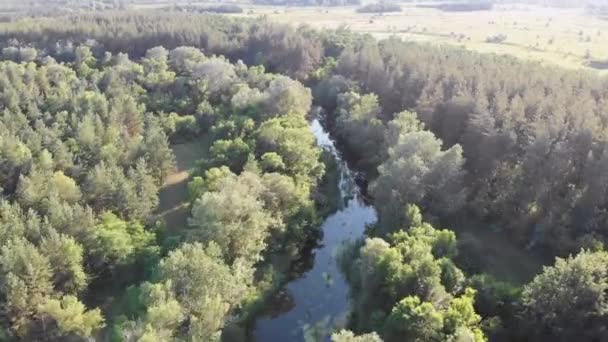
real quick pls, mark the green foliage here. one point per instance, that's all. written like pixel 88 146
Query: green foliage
pixel 233 217
pixel 66 258
pixel 568 300
pixel 410 286
pixel 232 153
pixel 422 321
pixel 287 97
pixel 180 127
pixel 290 138
pixel 156 151
pixel 499 303
pixel 452 277
pixel 483 104
pixel 71 316
pixel 187 294
pixel 348 336
pixel 328 89
pixel 84 146
pixel 418 172
pixel 84 149
pixel 403 123
pixel 119 241
pixel 40 186
pixel 25 281
pixel 272 162
pixel 359 124
pixel 414 321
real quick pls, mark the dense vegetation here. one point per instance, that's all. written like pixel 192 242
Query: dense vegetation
pixel 443 134
pixel 221 8
pixel 531 137
pixel 282 49
pixel 409 287
pixel 84 150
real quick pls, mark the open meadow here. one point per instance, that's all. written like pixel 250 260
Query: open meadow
pixel 567 37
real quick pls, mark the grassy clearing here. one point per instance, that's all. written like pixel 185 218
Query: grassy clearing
pixel 566 37
pixel 174 208
pixel 499 257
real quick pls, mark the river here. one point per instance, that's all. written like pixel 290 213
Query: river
pixel 319 299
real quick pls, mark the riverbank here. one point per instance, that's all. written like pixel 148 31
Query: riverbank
pixel 313 305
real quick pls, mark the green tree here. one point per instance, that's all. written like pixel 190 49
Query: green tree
pixel 71 317
pixel 403 123
pixel 233 217
pixel 289 137
pixel 162 318
pixel 348 336
pixel 117 241
pixel 418 172
pixel 65 187
pixel 414 320
pixel 359 125
pixel 25 282
pixel 212 181
pixel 286 97
pixel 206 300
pixel 156 151
pixel 272 162
pixel 232 153
pixel 460 314
pixel 145 191
pixel 568 300
pixel 183 59
pixel 66 259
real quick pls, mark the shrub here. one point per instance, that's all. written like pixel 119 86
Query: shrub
pixel 496 39
pixel 222 8
pixel 379 8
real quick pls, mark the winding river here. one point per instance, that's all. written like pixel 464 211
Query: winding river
pixel 318 300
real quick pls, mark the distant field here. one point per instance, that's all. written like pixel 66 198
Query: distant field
pixel 566 37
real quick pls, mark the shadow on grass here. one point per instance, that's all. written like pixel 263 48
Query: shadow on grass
pixel 174 208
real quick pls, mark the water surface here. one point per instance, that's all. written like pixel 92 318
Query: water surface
pixel 312 305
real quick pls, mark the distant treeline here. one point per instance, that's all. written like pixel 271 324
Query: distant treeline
pixel 380 7
pixel 561 3
pixel 308 2
pixel 461 6
pixel 221 8
pixel 598 9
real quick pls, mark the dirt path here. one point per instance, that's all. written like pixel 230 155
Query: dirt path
pixel 173 207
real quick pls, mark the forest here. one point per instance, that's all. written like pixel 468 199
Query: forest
pixel 91 104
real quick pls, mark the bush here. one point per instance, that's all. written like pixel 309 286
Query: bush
pixel 379 8
pixel 496 39
pixel 223 9
pixel 180 127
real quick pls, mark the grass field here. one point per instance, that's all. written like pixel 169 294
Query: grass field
pixel 567 37
pixel 174 208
